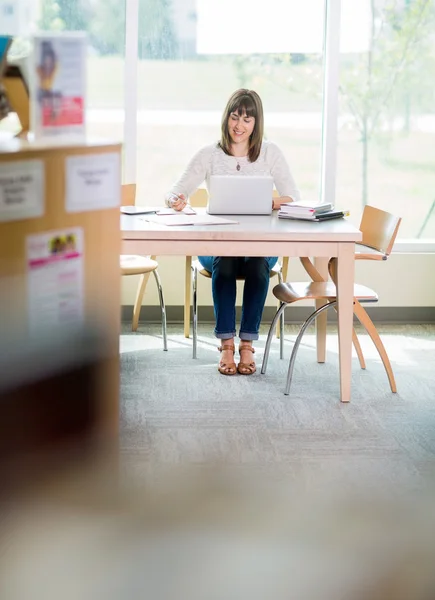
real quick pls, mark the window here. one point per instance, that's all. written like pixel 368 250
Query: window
pixel 386 150
pixel 194 54
pixel 104 23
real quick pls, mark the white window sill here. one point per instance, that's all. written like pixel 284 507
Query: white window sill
pixel 414 246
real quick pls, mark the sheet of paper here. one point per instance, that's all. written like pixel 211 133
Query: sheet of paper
pixel 179 219
pixel 93 182
pixel 55 279
pixel 139 210
pixel 171 211
pixel 22 190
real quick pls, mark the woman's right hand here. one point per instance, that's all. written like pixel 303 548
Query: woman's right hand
pixel 178 202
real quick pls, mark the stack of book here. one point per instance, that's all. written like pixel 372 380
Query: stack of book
pixel 310 212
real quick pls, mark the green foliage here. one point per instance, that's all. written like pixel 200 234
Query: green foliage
pixel 157 37
pixel 70 15
pixel 378 85
pixel 50 19
pixel 75 14
pixel 104 20
pixel 108 27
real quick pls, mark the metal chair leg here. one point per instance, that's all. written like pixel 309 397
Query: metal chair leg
pixel 163 309
pixel 307 323
pixel 281 325
pixel 195 309
pixel 270 336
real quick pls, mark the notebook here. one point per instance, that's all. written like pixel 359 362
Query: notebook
pixel 159 210
pixel 334 214
pixel 240 195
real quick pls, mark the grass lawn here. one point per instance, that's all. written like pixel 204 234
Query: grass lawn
pixel 201 85
pixel 397 182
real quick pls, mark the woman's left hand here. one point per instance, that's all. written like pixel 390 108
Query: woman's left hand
pixel 276 202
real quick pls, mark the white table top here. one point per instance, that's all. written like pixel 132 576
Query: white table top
pixel 264 228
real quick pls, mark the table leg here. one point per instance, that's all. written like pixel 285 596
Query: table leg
pixel 345 283
pixel 187 288
pixel 321 264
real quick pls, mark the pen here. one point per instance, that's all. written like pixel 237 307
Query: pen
pixel 173 198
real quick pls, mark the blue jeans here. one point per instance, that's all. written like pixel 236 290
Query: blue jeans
pixel 225 270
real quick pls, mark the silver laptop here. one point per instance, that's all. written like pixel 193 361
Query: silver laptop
pixel 240 195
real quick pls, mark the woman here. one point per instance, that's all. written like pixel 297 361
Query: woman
pixel 240 151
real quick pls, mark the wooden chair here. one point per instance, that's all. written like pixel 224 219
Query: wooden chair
pixel 379 230
pixel 193 267
pixel 288 293
pixel 143 266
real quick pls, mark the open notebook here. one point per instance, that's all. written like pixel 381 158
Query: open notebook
pixel 145 210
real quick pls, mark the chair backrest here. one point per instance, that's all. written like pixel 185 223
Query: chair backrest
pixel 128 194
pixel 200 198
pixel 379 229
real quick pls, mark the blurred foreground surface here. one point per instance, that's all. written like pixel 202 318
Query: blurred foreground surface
pixel 73 528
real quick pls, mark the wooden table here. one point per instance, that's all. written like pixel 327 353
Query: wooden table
pixel 265 236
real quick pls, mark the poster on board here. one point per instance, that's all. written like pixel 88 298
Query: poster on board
pixel 58 85
pixel 55 279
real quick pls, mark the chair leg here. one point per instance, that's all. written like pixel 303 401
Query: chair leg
pixel 358 349
pixel 195 310
pixel 280 325
pixel 162 308
pixel 307 323
pixel 270 335
pixel 138 302
pixel 278 328
pixel 367 323
pixel 187 284
pixel 281 337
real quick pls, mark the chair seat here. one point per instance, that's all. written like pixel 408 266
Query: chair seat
pixel 132 264
pixel 315 290
pixel 275 270
pixel 363 252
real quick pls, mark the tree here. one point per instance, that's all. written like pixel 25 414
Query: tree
pixel 372 84
pixel 107 29
pixel 50 19
pixel 58 15
pixel 377 85
pixel 156 30
pixel 75 14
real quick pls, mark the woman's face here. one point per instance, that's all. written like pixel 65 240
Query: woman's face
pixel 240 127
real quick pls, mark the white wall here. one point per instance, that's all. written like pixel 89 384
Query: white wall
pixel 403 280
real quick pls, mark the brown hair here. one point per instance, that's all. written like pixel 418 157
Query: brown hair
pixel 249 102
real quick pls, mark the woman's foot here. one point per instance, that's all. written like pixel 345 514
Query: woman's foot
pixel 227 366
pixel 246 365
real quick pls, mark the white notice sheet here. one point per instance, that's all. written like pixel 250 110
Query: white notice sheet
pixel 93 182
pixel 55 279
pixel 22 190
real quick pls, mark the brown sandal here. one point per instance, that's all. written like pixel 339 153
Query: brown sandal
pixel 224 368
pixel 246 368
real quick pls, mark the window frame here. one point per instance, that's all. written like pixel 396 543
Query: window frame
pixel 330 109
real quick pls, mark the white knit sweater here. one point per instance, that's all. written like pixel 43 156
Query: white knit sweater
pixel 212 160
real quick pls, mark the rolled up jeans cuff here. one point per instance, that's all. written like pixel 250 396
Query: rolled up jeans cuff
pixel 248 336
pixel 225 336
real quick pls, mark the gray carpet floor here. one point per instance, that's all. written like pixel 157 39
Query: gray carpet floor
pixel 178 411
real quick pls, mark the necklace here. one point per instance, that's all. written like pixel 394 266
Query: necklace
pixel 238 165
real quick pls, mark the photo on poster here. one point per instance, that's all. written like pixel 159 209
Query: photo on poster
pixel 58 84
